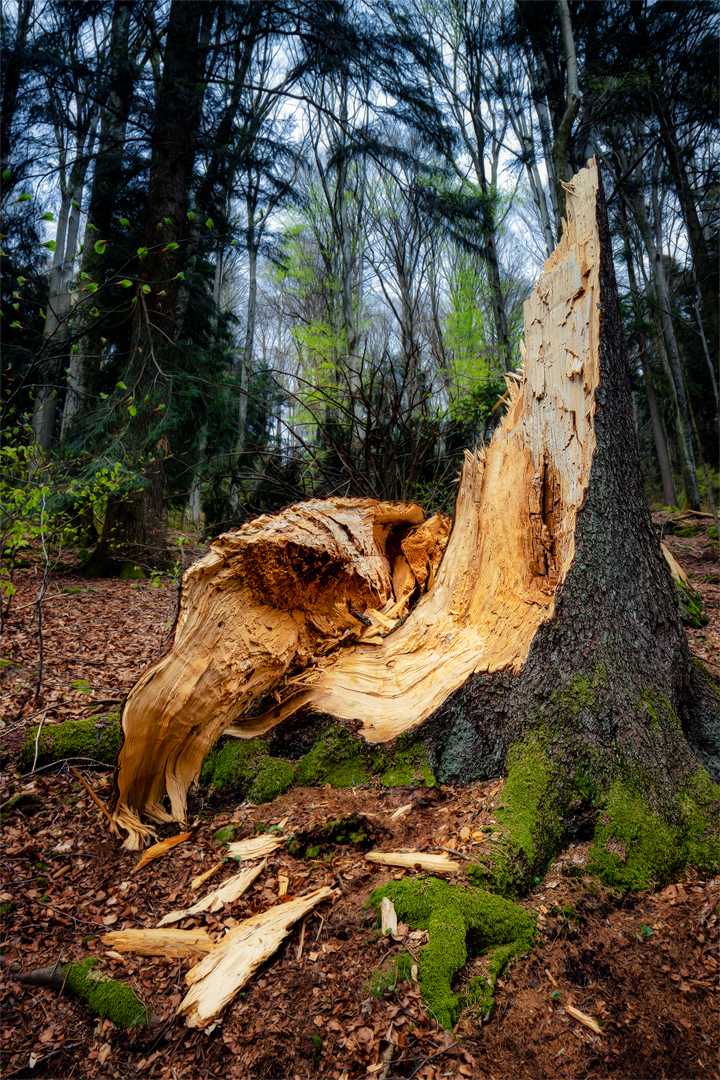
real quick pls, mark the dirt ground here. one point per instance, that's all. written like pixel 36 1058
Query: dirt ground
pixel 644 967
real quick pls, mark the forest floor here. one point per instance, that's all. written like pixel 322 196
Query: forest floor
pixel 645 967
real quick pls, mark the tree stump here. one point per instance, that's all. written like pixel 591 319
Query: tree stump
pixel 547 643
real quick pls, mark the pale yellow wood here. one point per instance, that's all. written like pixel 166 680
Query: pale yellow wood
pixel 232 962
pixel 675 568
pixel 227 893
pixel 255 847
pixel 435 864
pixel 205 876
pixel 270 595
pixel 159 942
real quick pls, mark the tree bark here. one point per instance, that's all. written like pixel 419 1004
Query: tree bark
pixel 549 639
pixel 572 105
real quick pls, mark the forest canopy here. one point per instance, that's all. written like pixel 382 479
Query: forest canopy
pixel 259 252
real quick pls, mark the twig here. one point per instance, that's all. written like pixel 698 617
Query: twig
pixel 37 738
pixel 64 761
pixel 341 883
pixel 452 851
pixel 95 799
pixel 302 938
pixel 39 603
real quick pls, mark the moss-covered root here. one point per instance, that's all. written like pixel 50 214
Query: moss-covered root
pixel 247 766
pixel 97 739
pixel 457 916
pixel 107 998
pixel 634 847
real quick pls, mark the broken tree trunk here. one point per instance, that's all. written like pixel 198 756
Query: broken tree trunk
pixel 550 627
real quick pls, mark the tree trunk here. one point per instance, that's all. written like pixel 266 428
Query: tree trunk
pixel 548 642
pixel 85 363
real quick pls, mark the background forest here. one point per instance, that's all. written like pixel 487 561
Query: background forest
pixel 254 252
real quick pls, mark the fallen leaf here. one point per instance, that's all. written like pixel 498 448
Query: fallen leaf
pixel 465 833
pixel 551 979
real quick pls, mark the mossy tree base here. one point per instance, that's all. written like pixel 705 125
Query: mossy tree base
pixel 337 757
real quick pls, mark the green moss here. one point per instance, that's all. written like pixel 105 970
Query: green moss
pixel 635 847
pixel 249 767
pixel 455 917
pixel 397 970
pixel 274 777
pixel 337 758
pixel 690 602
pixel 686 530
pixel 131 572
pixel 712 532
pixel 531 818
pixel 74 738
pixel 226 834
pixel 405 763
pixel 108 998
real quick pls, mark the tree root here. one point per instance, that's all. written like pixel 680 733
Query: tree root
pixel 107 998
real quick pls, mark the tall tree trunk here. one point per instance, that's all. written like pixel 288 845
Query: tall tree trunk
pixel 14 60
pixel 549 641
pixel 668 483
pixel 61 276
pixel 137 523
pixel 572 105
pixel 85 363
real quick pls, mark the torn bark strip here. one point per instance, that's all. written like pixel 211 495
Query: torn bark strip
pixel 216 979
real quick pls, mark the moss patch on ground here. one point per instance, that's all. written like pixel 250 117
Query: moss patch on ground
pixel 108 998
pixel 91 738
pixel 458 916
pixel 396 970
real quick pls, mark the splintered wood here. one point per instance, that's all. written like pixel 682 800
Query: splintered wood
pixel 232 962
pixel 256 847
pixel 274 594
pixel 159 942
pixel 158 850
pixel 322 586
pixel 227 893
pixel 411 860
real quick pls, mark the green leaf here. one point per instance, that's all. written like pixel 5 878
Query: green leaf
pixel 179 277
pixel 95 312
pixel 92 287
pixel 210 223
pixel 75 204
pixel 171 247
pixel 133 302
pixel 24 198
pixel 84 276
pixel 22 280
pixel 42 314
pixel 15 325
pixel 126 283
pixel 146 289
pixel 132 410
pixel 162 293
pixel 159 408
pixel 100 246
pixel 191 216
pixel 47 216
pixel 75 348
pixel 93 227
pixel 124 221
pixel 167 220
pixel 49 244
pixel 6 174
pixel 646 930
pixel 555 995
pixel 121 386
pixel 142 252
